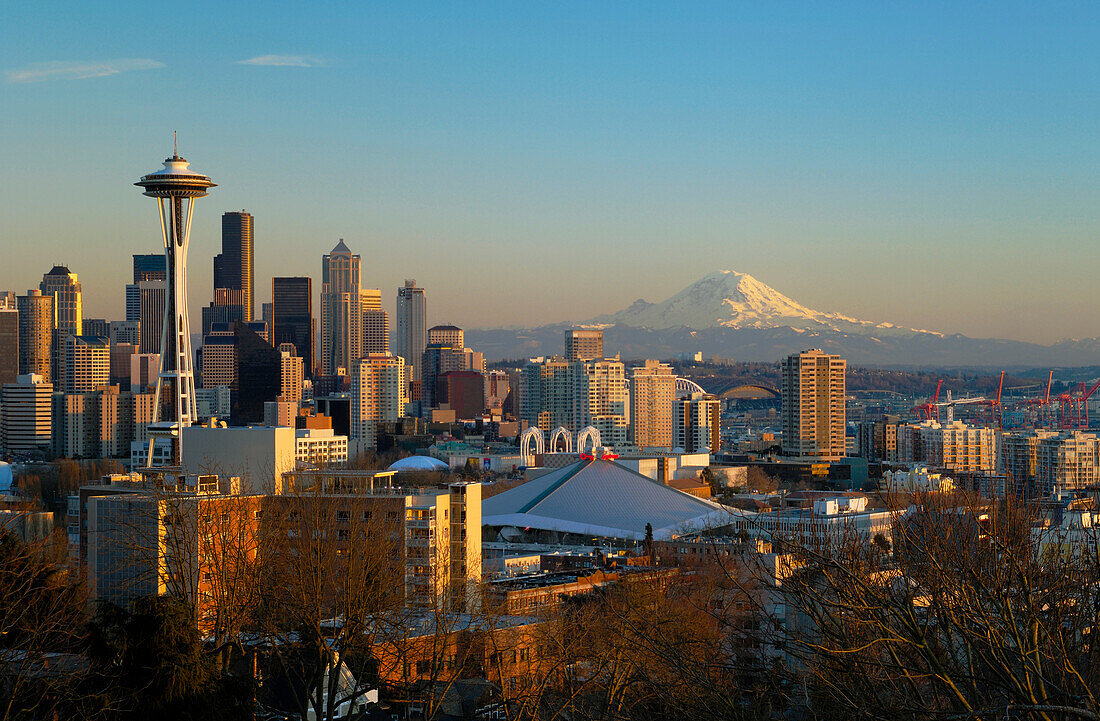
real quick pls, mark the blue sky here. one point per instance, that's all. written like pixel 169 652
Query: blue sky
pixel 934 166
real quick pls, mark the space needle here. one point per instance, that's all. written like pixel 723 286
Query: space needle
pixel 176 188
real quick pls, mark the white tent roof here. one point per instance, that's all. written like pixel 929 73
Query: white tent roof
pixel 602 498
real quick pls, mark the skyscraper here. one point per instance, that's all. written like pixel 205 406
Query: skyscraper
pixel 341 314
pixel 376 331
pixel 153 295
pixel 652 394
pixel 412 326
pixel 233 266
pixel 149 266
pixel 438 358
pixel 35 333
pixel 9 340
pixel 176 189
pixel 68 312
pixel 25 414
pixel 292 317
pixel 812 413
pixel 450 335
pixel 582 344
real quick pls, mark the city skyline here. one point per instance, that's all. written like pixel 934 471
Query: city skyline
pixel 626 155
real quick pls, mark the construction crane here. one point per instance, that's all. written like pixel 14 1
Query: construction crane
pixel 1079 407
pixel 950 404
pixel 995 417
pixel 1038 409
pixel 925 411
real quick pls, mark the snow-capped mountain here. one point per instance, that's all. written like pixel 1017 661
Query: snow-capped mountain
pixel 728 299
pixel 734 315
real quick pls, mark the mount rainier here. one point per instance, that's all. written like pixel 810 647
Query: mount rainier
pixel 731 314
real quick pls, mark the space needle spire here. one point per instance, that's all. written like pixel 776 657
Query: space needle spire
pixel 176 188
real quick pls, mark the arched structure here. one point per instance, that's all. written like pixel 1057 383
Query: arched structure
pixel 685 387
pixel 586 434
pixel 749 391
pixel 535 433
pixel 561 432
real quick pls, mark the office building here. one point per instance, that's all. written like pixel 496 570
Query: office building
pixel 450 335
pixel 97 326
pixel 259 375
pixel 68 312
pixel 226 307
pixel 125 331
pixel 9 340
pixel 280 413
pixel 214 402
pixel 121 355
pixel 153 296
pixel 813 410
pixel 652 394
pixel 233 267
pixel 219 356
pixel 378 394
pixel 25 414
pixel 341 313
pixel 146 267
pixel 437 359
pixel 87 363
pixel 376 331
pixel 143 371
pixel 292 317
pixel 582 344
pixel 462 392
pixel 35 333
pixel 697 427
pixel 412 327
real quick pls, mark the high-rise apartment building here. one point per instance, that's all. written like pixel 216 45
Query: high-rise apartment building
pixel 341 313
pixel 582 344
pixel 952 446
pixel 68 311
pixel 698 423
pixel 813 411
pixel 25 424
pixel 412 326
pixel 100 424
pixel 291 374
pixel 450 335
pixel 292 317
pixel 153 296
pixel 556 392
pixel 379 393
pixel 652 394
pixel 9 340
pixel 35 333
pixel 1042 462
pixel 233 267
pixel 87 363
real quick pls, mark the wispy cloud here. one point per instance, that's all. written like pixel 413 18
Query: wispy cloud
pixel 284 61
pixel 64 70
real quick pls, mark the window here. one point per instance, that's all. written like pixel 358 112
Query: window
pixel 343 515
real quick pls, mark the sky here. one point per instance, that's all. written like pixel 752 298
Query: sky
pixel 933 165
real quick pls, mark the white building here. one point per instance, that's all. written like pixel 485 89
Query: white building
pixel 258 455
pixel 25 414
pixel 954 446
pixel 916 480
pixel 320 447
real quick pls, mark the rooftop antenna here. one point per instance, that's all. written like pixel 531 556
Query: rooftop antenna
pixel 175 145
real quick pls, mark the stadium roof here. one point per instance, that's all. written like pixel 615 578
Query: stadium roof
pixel 602 498
pixel 418 463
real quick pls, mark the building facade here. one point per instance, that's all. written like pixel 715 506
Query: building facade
pixel 813 405
pixel 292 317
pixel 341 313
pixel 583 344
pixel 652 394
pixel 378 394
pixel 412 327
pixel 233 267
pixel 25 414
pixel 35 333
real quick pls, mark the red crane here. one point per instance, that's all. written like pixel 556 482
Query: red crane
pixel 1041 415
pixel 1079 407
pixel 993 406
pixel 925 411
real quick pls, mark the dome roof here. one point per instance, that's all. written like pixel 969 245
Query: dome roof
pixel 5 478
pixel 418 463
